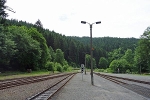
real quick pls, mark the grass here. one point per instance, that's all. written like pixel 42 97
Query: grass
pixel 17 74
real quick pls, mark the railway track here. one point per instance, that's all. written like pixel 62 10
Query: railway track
pixel 129 84
pixel 48 93
pixel 22 81
pixel 128 79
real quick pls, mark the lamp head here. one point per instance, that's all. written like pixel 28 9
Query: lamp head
pixel 83 22
pixel 98 22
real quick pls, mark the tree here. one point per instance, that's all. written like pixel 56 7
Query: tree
pixel 38 23
pixel 103 63
pixel 74 47
pixel 114 65
pixel 45 55
pixel 7 49
pixel 123 66
pixel 115 54
pixel 129 56
pixel 52 53
pixel 88 61
pixel 58 66
pixel 120 65
pixel 50 66
pixel 28 55
pixel 142 56
pixel 3 13
pixel 59 57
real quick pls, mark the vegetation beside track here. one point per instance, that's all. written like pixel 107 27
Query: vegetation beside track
pixel 108 70
pixel 18 74
pixel 25 46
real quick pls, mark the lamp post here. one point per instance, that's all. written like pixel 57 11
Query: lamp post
pixel 91 48
pixel 85 64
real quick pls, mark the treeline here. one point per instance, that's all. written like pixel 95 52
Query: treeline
pixel 121 55
pixel 109 53
pixel 29 46
pixel 23 47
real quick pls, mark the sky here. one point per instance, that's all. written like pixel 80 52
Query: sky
pixel 119 18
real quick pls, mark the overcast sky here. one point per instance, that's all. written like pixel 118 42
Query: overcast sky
pixel 119 18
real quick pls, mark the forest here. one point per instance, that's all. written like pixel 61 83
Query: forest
pixel 25 46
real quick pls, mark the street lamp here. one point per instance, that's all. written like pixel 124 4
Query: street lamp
pixel 91 49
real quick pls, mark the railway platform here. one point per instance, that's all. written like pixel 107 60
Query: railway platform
pixel 78 89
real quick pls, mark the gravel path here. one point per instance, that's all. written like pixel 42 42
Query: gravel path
pixel 76 89
pixel 24 91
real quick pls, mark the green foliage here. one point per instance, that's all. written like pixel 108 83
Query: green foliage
pixel 129 57
pixel 45 51
pixel 50 66
pixel 108 70
pixel 142 52
pixel 52 53
pixel 115 54
pixel 59 57
pixel 59 67
pixel 99 70
pixel 7 49
pixel 72 49
pixel 28 50
pixel 120 66
pixel 67 68
pixel 113 65
pixel 88 61
pixel 123 66
pixel 103 63
pixel 22 48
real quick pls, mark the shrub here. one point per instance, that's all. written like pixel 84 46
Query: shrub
pixel 108 70
pixel 50 66
pixel 59 67
pixel 65 67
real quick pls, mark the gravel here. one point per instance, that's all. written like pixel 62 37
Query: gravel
pixel 78 89
pixel 132 76
pixel 24 91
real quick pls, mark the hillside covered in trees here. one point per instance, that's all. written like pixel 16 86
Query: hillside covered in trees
pixel 32 46
pixel 29 46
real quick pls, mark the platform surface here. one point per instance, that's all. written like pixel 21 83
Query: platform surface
pixel 78 89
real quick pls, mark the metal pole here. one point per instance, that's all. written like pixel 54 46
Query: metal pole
pixel 85 64
pixel 92 80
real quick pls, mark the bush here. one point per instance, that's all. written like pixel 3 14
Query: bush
pixel 108 70
pixel 50 66
pixel 128 71
pixel 101 70
pixel 58 67
pixel 69 68
pixel 65 67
